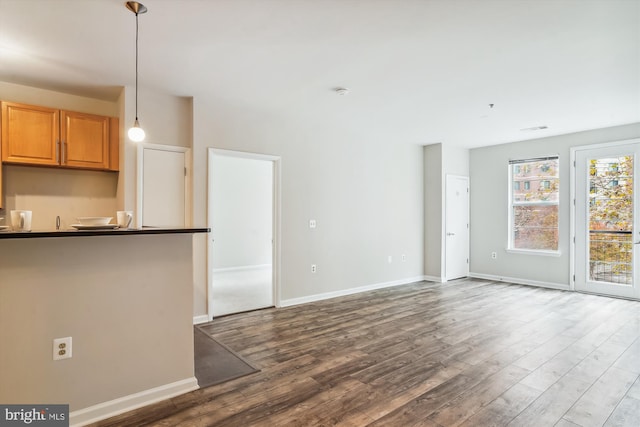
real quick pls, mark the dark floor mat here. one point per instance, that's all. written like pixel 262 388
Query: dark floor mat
pixel 214 362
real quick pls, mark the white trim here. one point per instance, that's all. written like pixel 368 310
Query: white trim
pixel 241 268
pixel 121 405
pixel 350 291
pixel 435 279
pixel 540 252
pixel 203 318
pixel 511 203
pixel 518 281
pixel 276 227
pixel 140 174
pixel 573 179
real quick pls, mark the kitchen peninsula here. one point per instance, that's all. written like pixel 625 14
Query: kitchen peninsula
pixel 125 298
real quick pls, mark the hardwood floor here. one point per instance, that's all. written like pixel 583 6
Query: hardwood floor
pixel 463 353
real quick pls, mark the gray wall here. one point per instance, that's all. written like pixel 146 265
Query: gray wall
pixel 439 161
pixel 433 213
pixel 489 205
pixel 366 196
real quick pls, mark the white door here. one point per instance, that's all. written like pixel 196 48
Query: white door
pixel 162 186
pixel 241 209
pixel 607 232
pixel 456 227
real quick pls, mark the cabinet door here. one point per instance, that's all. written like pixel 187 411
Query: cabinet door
pixel 85 140
pixel 30 134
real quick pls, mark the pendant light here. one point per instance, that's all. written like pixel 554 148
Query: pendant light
pixel 136 133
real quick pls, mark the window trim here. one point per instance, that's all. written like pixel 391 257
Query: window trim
pixel 510 217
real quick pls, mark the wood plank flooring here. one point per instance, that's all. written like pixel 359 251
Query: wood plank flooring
pixel 464 353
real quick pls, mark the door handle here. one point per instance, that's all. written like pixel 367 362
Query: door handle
pixel 451 234
pixel 636 243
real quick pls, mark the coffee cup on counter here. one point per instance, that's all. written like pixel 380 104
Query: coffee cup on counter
pixel 124 218
pixel 21 220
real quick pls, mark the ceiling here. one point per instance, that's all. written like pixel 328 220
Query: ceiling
pixel 419 72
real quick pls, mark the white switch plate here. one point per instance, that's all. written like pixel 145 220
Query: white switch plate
pixel 390 259
pixel 404 257
pixel 312 223
pixel 313 268
pixel 62 348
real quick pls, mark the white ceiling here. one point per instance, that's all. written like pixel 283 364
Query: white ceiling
pixel 419 72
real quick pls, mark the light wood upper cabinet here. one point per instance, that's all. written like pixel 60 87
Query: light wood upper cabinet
pixel 43 136
pixel 85 140
pixel 30 134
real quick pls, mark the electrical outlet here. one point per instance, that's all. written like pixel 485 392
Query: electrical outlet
pixel 312 223
pixel 313 268
pixel 62 348
pixel 494 255
pixel 404 257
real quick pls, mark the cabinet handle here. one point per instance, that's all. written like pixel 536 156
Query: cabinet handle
pixel 57 151
pixel 64 152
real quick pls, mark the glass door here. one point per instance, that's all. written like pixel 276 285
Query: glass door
pixel 606 219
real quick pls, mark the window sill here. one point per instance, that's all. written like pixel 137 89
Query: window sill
pixel 534 252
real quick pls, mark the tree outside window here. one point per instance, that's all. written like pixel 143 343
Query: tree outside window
pixel 534 205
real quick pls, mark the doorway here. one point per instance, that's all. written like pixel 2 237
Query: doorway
pixel 243 219
pixel 456 227
pixel 606 219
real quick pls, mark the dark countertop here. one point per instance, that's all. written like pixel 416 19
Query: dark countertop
pixel 117 232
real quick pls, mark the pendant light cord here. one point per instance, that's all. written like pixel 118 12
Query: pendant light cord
pixel 136 67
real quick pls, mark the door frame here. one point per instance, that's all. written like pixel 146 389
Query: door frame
pixel 446 217
pixel 573 184
pixel 140 175
pixel 276 224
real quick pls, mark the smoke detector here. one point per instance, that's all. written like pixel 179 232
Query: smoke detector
pixel 341 90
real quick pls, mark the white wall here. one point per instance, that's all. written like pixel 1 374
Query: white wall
pixel 242 201
pixel 489 205
pixel 366 196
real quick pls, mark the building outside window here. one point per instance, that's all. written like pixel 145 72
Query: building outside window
pixel 534 205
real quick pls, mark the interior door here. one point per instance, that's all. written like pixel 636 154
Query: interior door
pixel 162 186
pixel 456 227
pixel 606 220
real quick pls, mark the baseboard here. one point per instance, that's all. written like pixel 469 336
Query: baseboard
pixel 435 279
pixel 203 318
pixel 351 291
pixel 241 268
pixel 518 281
pixel 118 406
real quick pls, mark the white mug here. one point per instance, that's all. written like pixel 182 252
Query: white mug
pixel 21 220
pixel 124 218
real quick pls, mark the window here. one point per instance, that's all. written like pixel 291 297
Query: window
pixel 533 221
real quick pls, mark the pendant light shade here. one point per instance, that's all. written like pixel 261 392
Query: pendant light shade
pixel 136 133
